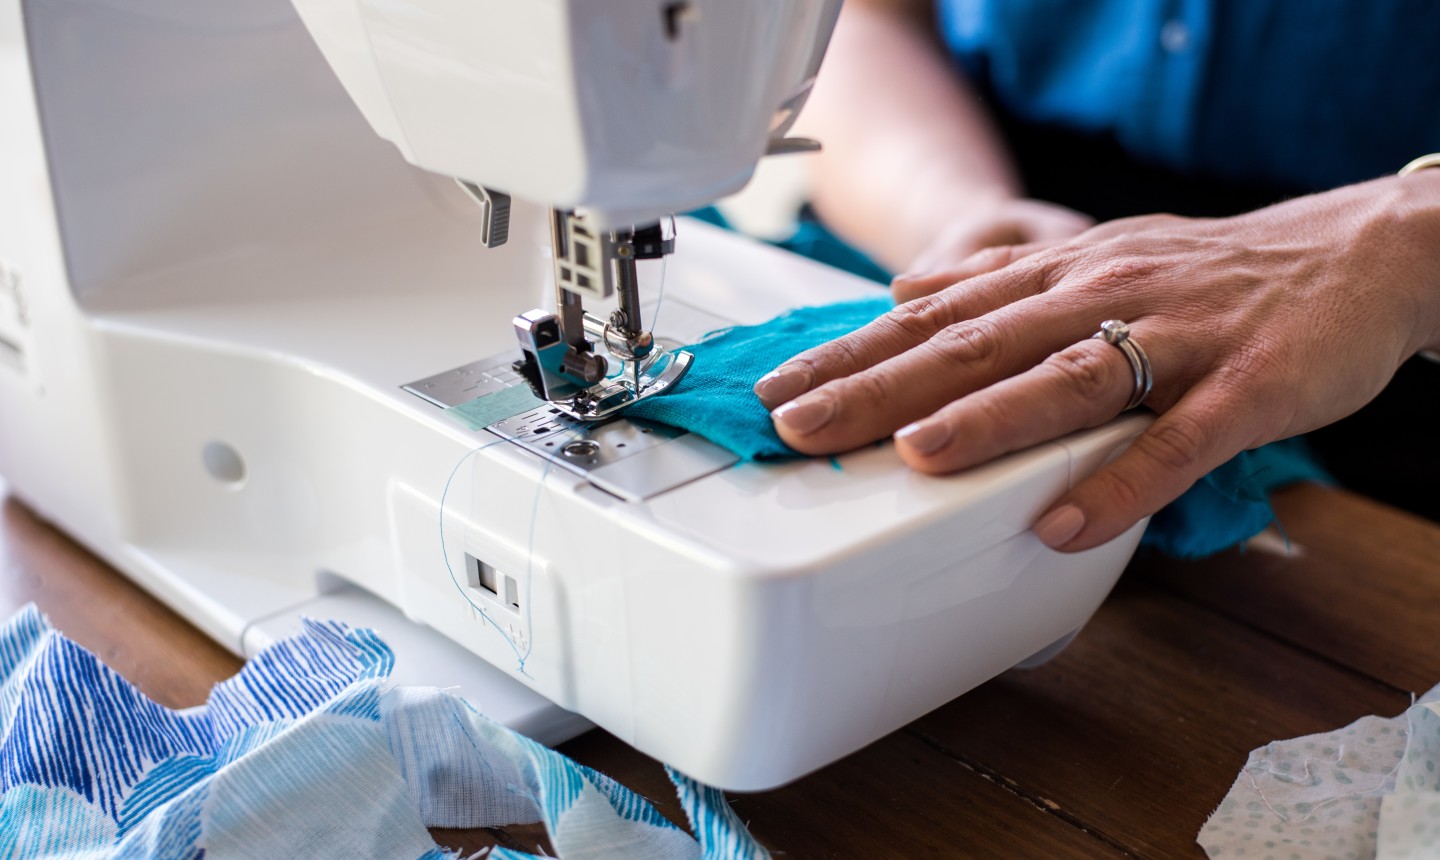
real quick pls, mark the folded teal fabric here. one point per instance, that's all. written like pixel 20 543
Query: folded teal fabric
pixel 716 400
pixel 1232 503
pixel 308 752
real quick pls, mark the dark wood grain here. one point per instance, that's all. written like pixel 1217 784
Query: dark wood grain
pixel 1360 587
pixel 898 797
pixel 134 634
pixel 1120 747
pixel 1138 730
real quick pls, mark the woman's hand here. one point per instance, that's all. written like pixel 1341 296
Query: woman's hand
pixel 1257 327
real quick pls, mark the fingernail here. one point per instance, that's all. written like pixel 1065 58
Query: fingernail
pixel 1058 527
pixel 806 415
pixel 781 385
pixel 925 437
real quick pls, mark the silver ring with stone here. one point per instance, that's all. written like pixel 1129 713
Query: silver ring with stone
pixel 1117 333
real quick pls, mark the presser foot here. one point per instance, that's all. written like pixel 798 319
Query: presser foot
pixel 636 381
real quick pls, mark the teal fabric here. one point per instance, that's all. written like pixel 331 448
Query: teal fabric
pixel 716 400
pixel 1232 503
pixel 485 410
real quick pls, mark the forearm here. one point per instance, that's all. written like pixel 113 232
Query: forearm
pixel 907 143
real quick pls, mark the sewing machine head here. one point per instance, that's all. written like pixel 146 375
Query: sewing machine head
pixel 615 114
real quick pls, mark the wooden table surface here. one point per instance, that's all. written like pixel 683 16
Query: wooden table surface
pixel 1118 748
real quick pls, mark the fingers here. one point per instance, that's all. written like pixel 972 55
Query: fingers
pixel 1010 222
pixel 1081 386
pixel 1180 448
pixel 962 358
pixel 964 239
pixel 984 260
pixel 907 326
pixel 913 286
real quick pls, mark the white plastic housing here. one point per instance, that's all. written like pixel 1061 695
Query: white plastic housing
pixel 217 279
pixel 633 108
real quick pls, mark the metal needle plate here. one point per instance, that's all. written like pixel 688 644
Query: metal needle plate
pixel 632 459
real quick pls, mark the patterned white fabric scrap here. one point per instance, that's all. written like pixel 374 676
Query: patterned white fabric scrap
pixel 1369 790
pixel 308 752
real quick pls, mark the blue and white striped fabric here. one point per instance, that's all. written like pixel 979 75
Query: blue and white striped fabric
pixel 306 753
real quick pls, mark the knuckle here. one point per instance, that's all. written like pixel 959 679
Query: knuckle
pixel 994 423
pixel 1254 362
pixel 863 393
pixel 841 353
pixel 1174 444
pixel 1084 372
pixel 1051 269
pixel 1124 491
pixel 1121 275
pixel 1141 223
pixel 1166 459
pixel 990 259
pixel 921 317
pixel 1158 221
pixel 969 342
pixel 1261 384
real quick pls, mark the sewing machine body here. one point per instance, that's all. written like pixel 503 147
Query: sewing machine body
pixel 214 282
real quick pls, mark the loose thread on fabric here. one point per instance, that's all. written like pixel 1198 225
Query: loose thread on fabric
pixel 529 556
pixel 660 291
pixel 445 553
pixel 1315 807
pixel 1284 535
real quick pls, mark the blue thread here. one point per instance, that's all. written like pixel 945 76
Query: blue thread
pixel 530 559
pixel 445 553
pixel 659 295
pixel 529 555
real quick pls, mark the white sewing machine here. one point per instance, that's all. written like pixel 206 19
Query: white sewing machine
pixel 231 314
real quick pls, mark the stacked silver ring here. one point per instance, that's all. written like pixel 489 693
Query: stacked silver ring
pixel 1117 333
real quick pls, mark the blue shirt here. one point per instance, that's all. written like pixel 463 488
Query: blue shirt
pixel 1304 94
